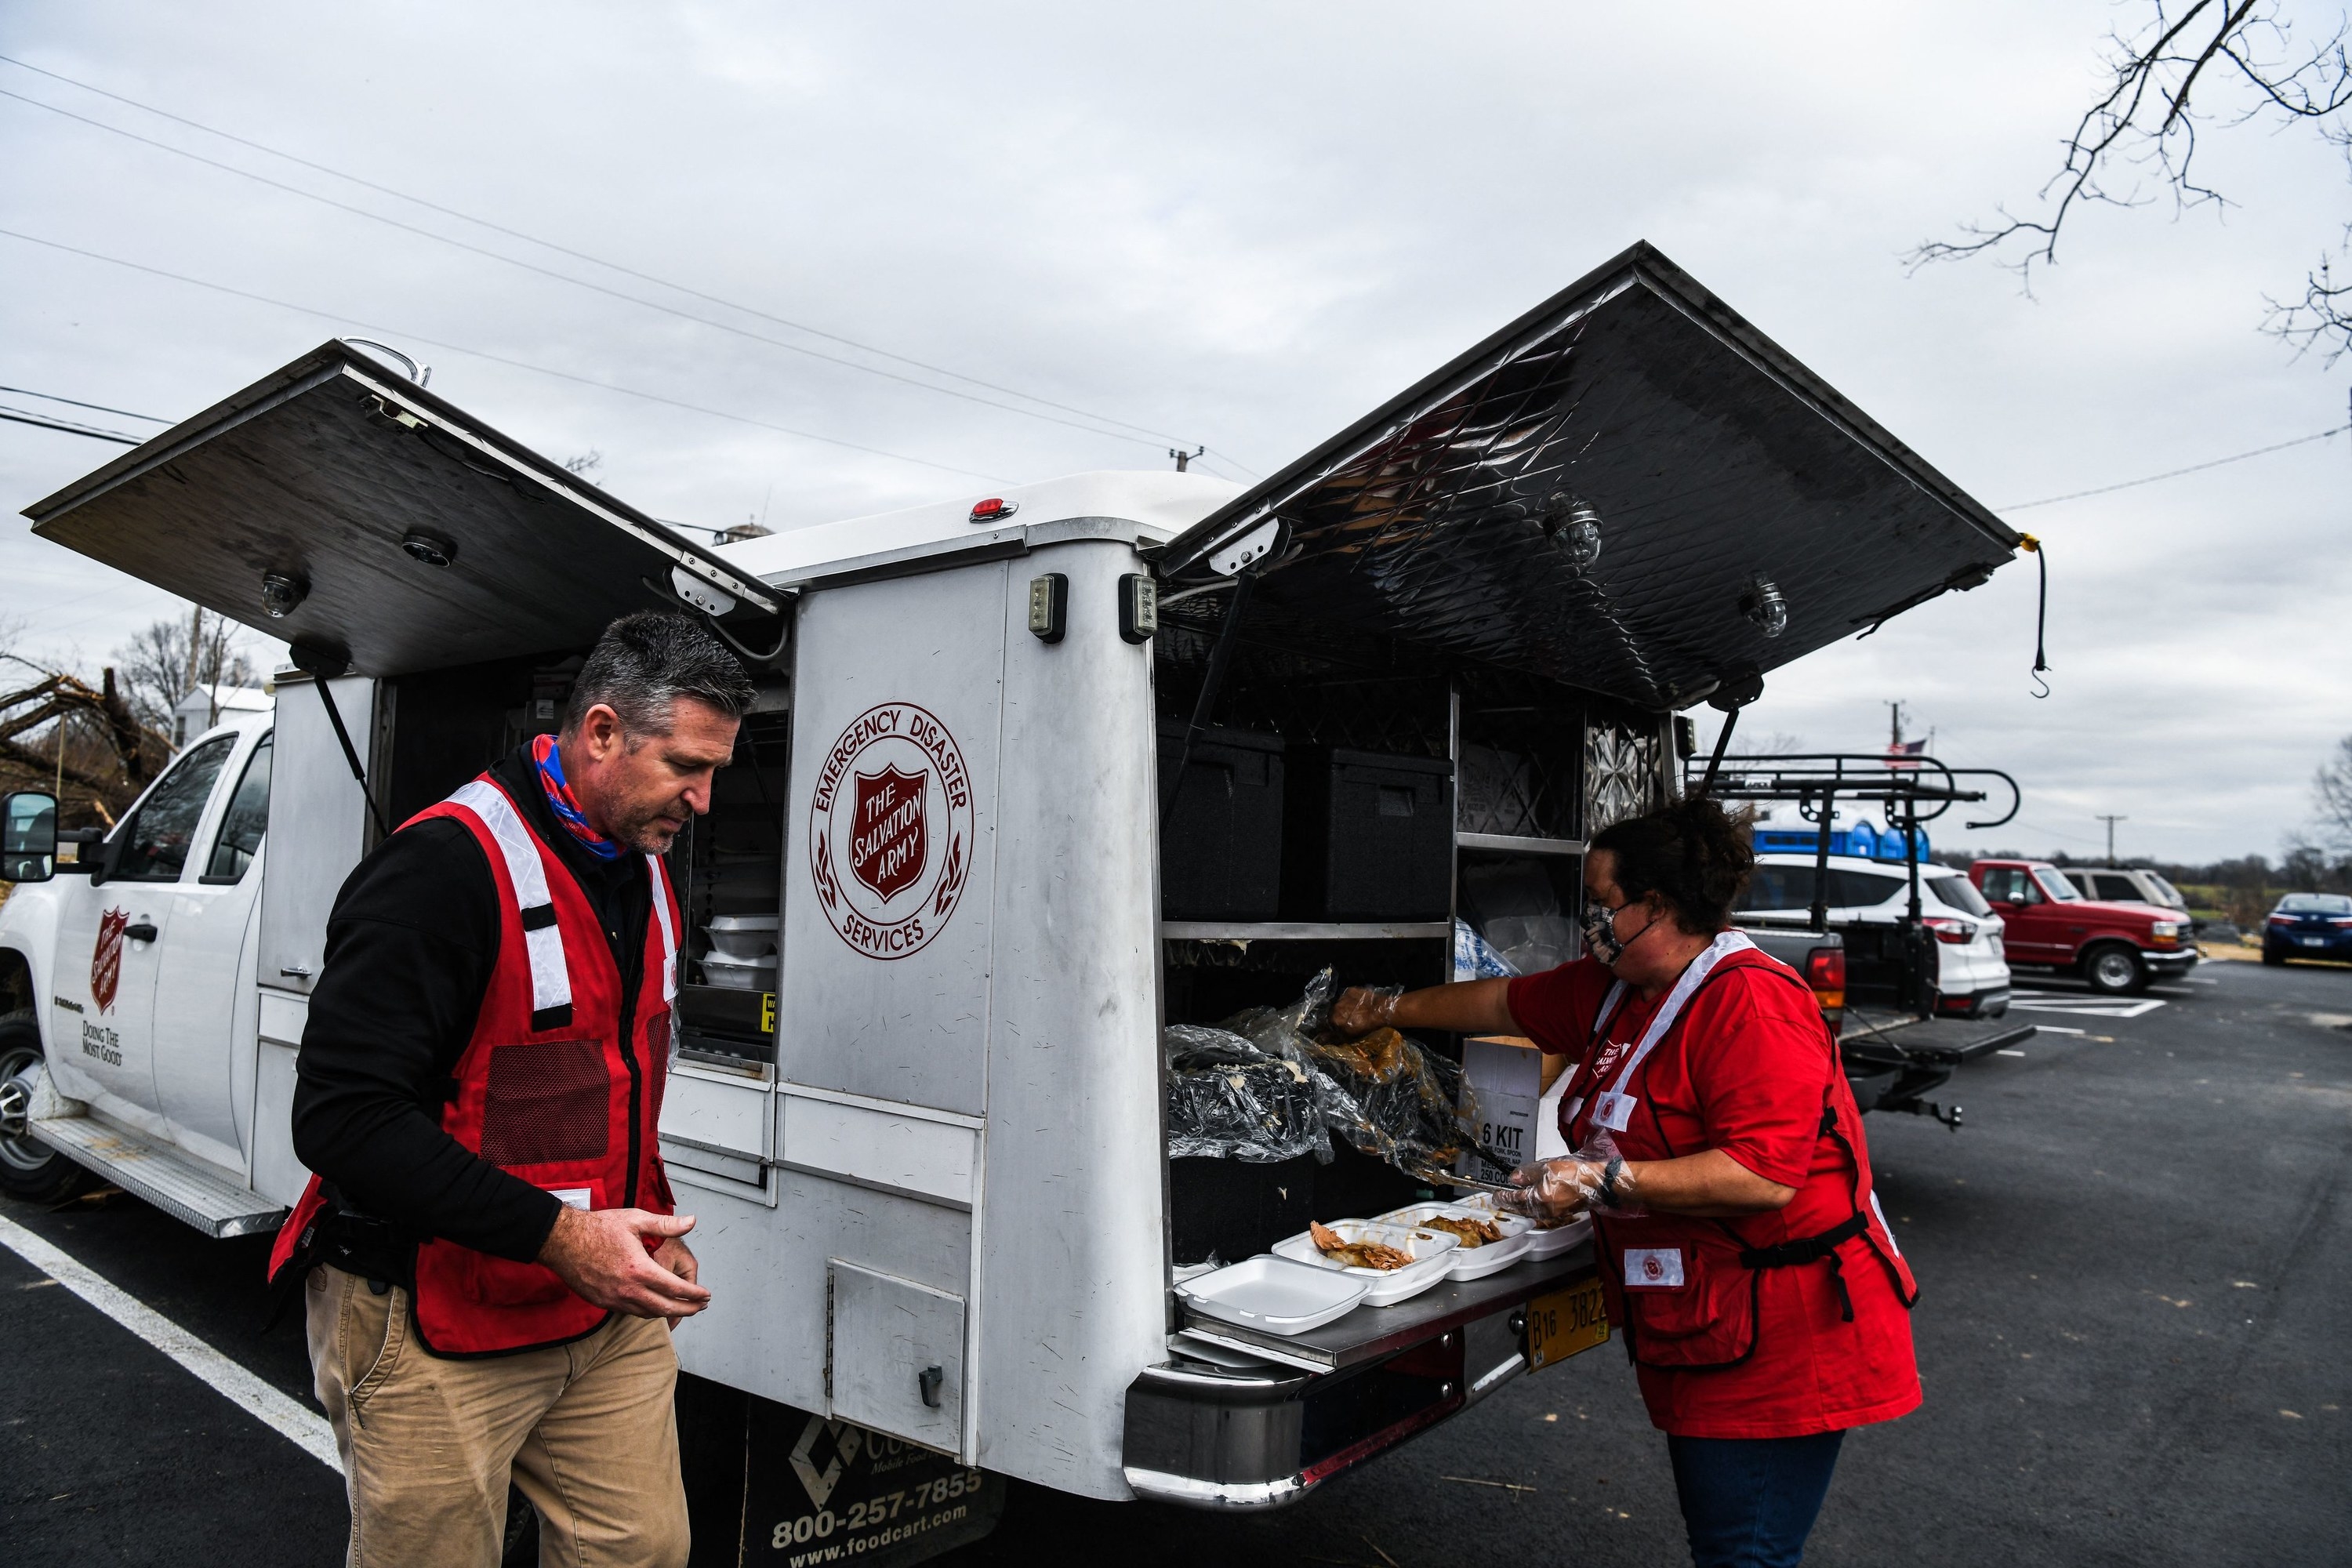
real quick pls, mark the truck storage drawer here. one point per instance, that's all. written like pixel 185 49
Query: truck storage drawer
pixel 1221 848
pixel 1368 836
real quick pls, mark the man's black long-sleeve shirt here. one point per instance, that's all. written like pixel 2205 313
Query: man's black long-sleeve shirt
pixel 411 945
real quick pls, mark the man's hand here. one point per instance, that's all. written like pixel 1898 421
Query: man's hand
pixel 599 1254
pixel 678 1258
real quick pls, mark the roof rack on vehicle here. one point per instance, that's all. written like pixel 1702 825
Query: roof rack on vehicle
pixel 1914 790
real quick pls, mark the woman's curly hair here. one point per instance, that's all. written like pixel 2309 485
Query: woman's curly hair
pixel 1691 854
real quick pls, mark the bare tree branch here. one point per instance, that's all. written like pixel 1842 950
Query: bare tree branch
pixel 2331 794
pixel 2145 129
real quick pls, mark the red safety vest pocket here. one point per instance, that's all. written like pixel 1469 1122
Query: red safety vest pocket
pixel 488 1281
pixel 1690 1305
pixel 547 1102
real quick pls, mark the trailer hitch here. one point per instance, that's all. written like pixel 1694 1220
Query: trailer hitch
pixel 1950 1118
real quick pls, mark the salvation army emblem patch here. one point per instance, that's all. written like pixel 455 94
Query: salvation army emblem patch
pixel 890 830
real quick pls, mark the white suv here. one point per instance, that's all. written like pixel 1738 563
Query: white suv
pixel 1972 973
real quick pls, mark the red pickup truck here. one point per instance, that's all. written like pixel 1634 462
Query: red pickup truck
pixel 2118 947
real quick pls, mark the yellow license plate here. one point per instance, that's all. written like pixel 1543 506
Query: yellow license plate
pixel 1565 1323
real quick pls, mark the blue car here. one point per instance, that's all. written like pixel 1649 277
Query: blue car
pixel 2308 925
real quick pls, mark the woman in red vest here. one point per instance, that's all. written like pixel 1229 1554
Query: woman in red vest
pixel 1748 1267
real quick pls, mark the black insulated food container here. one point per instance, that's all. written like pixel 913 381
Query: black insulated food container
pixel 1368 836
pixel 1221 848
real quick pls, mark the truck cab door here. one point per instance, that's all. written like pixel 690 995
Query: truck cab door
pixel 2024 912
pixel 110 949
pixel 204 996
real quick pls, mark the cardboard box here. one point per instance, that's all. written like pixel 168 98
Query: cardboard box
pixel 1502 1075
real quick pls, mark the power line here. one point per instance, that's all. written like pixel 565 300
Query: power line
pixel 71 402
pixel 499 358
pixel 1141 432
pixel 2176 473
pixel 566 277
pixel 15 416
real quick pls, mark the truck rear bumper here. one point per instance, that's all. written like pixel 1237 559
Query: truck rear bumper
pixel 1234 1420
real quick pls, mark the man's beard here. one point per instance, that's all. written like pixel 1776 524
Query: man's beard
pixel 644 832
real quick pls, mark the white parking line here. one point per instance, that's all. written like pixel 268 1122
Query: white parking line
pixel 304 1428
pixel 2084 1006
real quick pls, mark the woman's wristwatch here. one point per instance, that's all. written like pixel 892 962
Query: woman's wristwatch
pixel 1609 1174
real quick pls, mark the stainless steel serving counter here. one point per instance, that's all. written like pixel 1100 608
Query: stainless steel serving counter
pixel 1369 1333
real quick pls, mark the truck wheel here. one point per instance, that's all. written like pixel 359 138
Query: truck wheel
pixel 2116 970
pixel 29 1169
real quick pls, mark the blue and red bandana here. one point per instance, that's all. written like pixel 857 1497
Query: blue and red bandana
pixel 559 799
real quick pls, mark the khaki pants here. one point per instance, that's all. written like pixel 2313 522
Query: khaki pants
pixel 586 1430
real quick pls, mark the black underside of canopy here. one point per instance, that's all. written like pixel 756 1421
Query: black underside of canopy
pixel 1711 460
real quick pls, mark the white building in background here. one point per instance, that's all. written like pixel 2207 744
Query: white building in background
pixel 206 706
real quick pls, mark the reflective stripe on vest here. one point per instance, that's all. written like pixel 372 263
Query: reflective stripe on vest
pixel 669 933
pixel 550 981
pixel 1615 1109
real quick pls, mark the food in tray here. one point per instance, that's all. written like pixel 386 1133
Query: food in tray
pixel 1354 1254
pixel 1473 1232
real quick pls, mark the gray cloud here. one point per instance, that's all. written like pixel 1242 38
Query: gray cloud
pixel 1243 227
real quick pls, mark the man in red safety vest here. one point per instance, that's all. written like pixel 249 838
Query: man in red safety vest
pixel 489 1255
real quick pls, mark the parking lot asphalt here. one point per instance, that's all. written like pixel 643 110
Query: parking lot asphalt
pixel 2138 1297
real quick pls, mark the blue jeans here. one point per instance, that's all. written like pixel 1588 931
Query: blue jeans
pixel 1750 1502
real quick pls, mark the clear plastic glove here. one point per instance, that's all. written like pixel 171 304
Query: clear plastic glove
pixel 1361 1009
pixel 1552 1189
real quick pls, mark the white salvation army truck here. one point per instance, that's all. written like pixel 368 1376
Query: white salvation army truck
pixel 1030 780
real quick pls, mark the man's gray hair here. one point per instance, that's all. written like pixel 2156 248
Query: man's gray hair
pixel 647 661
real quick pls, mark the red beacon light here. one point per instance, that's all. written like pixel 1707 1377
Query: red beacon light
pixel 996 509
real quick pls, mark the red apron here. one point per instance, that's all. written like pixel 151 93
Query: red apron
pixel 1685 1288
pixel 556 1086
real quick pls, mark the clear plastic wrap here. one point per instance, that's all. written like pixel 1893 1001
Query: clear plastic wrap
pixel 1271 1083
pixel 1229 1100
pixel 1382 1092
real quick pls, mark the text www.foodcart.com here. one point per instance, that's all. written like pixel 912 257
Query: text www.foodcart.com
pixel 881 1538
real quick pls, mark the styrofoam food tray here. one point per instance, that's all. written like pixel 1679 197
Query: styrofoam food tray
pixel 742 938
pixel 1430 1250
pixel 1488 1257
pixel 739 973
pixel 1541 1243
pixel 1275 1294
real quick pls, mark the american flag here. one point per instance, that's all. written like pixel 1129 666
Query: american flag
pixel 1904 755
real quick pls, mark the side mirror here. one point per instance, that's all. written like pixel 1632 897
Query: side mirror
pixel 28 836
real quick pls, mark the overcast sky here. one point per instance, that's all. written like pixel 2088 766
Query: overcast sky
pixel 1240 226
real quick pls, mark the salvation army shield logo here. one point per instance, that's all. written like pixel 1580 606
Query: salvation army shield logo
pixel 106 959
pixel 1651 1269
pixel 886 841
pixel 890 830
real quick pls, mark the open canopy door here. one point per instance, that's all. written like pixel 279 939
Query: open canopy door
pixel 1629 489
pixel 407 535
